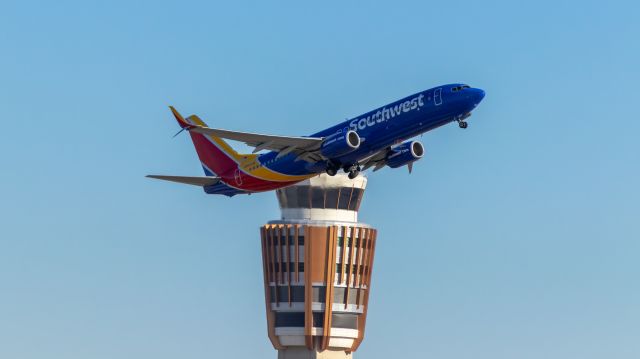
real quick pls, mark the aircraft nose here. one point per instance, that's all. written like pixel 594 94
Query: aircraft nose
pixel 477 95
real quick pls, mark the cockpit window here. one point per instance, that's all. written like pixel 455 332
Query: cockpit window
pixel 458 88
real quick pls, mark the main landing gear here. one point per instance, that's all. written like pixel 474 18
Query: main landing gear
pixel 353 170
pixel 332 169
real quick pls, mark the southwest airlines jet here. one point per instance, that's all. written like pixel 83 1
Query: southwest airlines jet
pixel 375 139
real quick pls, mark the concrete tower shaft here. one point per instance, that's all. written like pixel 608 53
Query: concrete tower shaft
pixel 317 262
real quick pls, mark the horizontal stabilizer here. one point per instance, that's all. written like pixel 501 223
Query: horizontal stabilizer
pixel 195 181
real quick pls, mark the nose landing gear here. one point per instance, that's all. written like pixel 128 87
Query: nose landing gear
pixel 461 120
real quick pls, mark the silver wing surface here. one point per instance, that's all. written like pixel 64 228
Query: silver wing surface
pixel 376 160
pixel 307 148
pixel 195 181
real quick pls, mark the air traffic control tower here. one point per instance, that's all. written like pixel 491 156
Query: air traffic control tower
pixel 317 260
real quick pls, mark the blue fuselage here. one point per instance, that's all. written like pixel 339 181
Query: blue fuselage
pixel 389 125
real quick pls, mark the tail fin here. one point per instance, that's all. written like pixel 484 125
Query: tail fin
pixel 179 118
pixel 216 156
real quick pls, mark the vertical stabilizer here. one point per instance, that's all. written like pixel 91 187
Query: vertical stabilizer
pixel 216 155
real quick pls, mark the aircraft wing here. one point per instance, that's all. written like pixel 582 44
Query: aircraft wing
pixel 378 159
pixel 195 181
pixel 305 147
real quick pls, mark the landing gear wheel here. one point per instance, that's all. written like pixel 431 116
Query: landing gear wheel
pixel 354 171
pixel 462 124
pixel 332 168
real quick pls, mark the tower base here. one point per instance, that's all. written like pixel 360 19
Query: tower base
pixel 304 353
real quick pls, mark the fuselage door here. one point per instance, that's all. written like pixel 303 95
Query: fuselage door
pixel 237 176
pixel 437 96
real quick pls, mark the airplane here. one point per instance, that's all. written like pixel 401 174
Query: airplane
pixel 378 138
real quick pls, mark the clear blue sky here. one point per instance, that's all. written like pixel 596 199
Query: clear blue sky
pixel 516 238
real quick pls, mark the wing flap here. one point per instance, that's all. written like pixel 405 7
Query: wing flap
pixel 192 180
pixel 378 159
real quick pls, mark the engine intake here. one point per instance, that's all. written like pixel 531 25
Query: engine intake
pixel 340 144
pixel 405 153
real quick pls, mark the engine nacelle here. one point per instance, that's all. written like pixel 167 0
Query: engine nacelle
pixel 405 153
pixel 340 144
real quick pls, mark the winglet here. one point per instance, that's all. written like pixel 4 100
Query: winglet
pixel 179 118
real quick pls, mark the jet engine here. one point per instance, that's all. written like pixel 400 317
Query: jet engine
pixel 405 154
pixel 340 144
